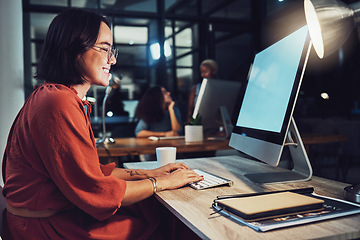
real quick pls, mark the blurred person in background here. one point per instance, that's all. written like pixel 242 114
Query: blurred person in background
pixel 208 69
pixel 158 116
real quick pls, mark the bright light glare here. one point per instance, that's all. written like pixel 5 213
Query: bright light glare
pixel 109 114
pixel 314 28
pixel 91 99
pixel 155 50
pixel 167 49
pixel 324 96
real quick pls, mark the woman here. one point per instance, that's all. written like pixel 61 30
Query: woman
pixel 158 115
pixel 208 69
pixel 55 187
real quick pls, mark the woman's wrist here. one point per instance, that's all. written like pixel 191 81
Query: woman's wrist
pixel 140 174
pixel 154 184
pixel 150 173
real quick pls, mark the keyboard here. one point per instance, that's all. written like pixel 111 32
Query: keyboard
pixel 171 137
pixel 165 138
pixel 210 180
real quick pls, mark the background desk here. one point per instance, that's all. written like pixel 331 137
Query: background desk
pixel 193 207
pixel 315 138
pixel 137 146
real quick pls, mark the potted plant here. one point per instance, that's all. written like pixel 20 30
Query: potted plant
pixel 194 130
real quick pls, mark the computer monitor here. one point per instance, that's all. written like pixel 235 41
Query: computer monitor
pixel 215 104
pixel 130 107
pixel 265 124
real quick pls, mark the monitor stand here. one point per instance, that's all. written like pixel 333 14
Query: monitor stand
pixel 226 123
pixel 301 170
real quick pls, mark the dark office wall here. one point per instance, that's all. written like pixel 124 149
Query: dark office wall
pixel 11 68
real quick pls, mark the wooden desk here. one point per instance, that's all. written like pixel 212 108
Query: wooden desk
pixel 314 138
pixel 137 146
pixel 194 207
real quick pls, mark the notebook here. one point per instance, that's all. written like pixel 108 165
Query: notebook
pixel 270 205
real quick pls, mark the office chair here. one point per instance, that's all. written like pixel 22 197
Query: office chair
pixel 2 208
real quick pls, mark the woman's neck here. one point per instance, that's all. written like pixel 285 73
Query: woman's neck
pixel 82 89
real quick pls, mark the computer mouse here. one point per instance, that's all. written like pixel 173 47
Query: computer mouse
pixel 352 193
pixel 153 138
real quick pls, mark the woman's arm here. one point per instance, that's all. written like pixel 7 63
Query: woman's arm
pixel 139 186
pixel 147 133
pixel 131 174
pixel 139 174
pixel 142 132
pixel 191 103
pixel 175 125
pixel 139 190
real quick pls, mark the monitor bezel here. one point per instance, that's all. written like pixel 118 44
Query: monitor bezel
pixel 269 136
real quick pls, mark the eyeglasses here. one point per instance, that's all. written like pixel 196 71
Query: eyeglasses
pixel 111 52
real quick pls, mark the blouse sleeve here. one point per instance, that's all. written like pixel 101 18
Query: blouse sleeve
pixel 140 126
pixel 63 137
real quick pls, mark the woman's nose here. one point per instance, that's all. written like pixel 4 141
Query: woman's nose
pixel 112 60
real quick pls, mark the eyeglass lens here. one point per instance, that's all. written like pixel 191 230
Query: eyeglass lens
pixel 112 52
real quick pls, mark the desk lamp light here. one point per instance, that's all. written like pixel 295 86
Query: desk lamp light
pixel 330 23
pixel 114 83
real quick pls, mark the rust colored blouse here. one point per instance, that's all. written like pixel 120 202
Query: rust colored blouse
pixel 52 163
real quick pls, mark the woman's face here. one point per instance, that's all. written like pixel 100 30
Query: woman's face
pixel 167 96
pixel 206 72
pixel 95 61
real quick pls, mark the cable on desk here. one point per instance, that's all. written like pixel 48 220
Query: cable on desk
pixel 103 146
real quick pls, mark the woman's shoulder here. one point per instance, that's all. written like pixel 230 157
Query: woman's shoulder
pixel 54 90
pixel 55 96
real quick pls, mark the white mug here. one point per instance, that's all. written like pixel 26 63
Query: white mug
pixel 165 155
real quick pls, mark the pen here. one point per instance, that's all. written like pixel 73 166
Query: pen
pixel 299 190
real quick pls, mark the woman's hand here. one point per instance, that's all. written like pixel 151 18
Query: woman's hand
pixel 167 169
pixel 177 179
pixel 171 105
